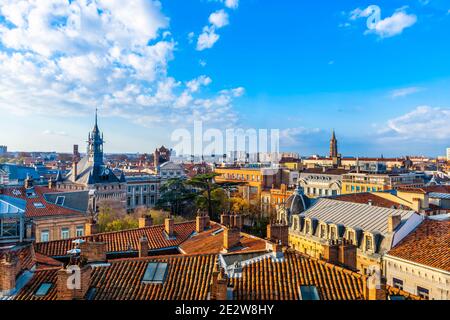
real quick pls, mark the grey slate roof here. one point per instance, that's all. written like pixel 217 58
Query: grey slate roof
pixel 354 215
pixel 76 200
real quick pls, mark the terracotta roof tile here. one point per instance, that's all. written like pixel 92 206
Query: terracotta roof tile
pixel 428 244
pixel 122 241
pixel 189 277
pixel 49 209
pixel 206 242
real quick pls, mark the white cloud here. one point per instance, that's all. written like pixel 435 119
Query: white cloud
pixel 423 123
pixel 207 38
pixel 65 58
pixel 403 92
pixel 293 136
pixel 195 84
pixel 219 19
pixel 55 133
pixel 232 4
pixel 387 27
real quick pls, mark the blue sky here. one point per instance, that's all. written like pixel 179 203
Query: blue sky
pixel 303 67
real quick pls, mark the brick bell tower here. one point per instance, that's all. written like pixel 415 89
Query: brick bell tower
pixel 333 146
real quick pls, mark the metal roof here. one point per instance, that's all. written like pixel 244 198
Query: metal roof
pixel 354 215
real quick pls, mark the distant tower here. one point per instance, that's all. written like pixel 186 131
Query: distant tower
pixel 95 145
pixel 333 146
pixel 76 153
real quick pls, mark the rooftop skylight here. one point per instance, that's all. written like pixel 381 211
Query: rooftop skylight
pixel 155 273
pixel 43 289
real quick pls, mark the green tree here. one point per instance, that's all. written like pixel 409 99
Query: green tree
pixel 175 195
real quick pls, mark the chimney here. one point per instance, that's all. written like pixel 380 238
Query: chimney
pixel 275 248
pixel 231 238
pixel 374 288
pixel 143 247
pixel 347 255
pixel 236 221
pixel 145 221
pixel 74 171
pixel 91 227
pixel 73 282
pixel 278 232
pixel 93 251
pixel 202 221
pixel 28 183
pixel 219 285
pixel 416 204
pixel 51 183
pixel 169 227
pixel 393 222
pixel 225 219
pixel 9 268
pixel 331 252
pixel 370 202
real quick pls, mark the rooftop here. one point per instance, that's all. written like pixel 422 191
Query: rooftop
pixel 428 244
pixel 366 198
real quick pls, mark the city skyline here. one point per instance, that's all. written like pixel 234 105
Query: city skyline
pixel 384 90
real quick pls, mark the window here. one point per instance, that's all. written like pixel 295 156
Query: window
pixel 43 289
pixel 65 234
pixel 351 236
pixel 423 293
pixel 38 205
pixel 129 189
pixel 307 227
pixel 80 231
pixel 60 200
pixel 45 236
pixel 155 273
pixel 309 293
pixel 397 283
pixel 10 229
pixel 369 243
pixel 332 233
pixel 322 231
pixel 152 187
pixel 128 201
pixel 144 200
pixel 152 199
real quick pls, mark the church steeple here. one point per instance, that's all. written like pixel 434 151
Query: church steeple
pixel 333 146
pixel 95 144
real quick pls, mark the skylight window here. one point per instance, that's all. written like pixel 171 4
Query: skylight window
pixel 309 293
pixel 155 273
pixel 60 200
pixel 43 289
pixel 38 205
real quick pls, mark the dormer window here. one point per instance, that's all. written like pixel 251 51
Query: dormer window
pixel 323 231
pixel 38 205
pixel 351 236
pixel 369 243
pixel 332 233
pixel 307 227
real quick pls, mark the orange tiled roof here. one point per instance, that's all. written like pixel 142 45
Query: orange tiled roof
pixel 392 291
pixel 425 190
pixel 206 242
pixel 121 241
pixel 25 254
pixel 189 277
pixel 364 198
pixel 31 211
pixel 268 280
pixel 429 245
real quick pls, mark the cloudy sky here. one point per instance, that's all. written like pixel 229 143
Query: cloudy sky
pixel 378 72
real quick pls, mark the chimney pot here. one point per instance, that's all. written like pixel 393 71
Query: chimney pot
pixel 169 227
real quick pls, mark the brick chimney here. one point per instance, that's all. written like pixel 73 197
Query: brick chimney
pixel 278 232
pixel 276 248
pixel 393 222
pixel 347 255
pixel 331 252
pixel 219 285
pixel 73 282
pixel 91 227
pixel 202 221
pixel 93 251
pixel 145 221
pixel 169 227
pixel 225 219
pixel 373 289
pixel 9 268
pixel 143 247
pixel 231 238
